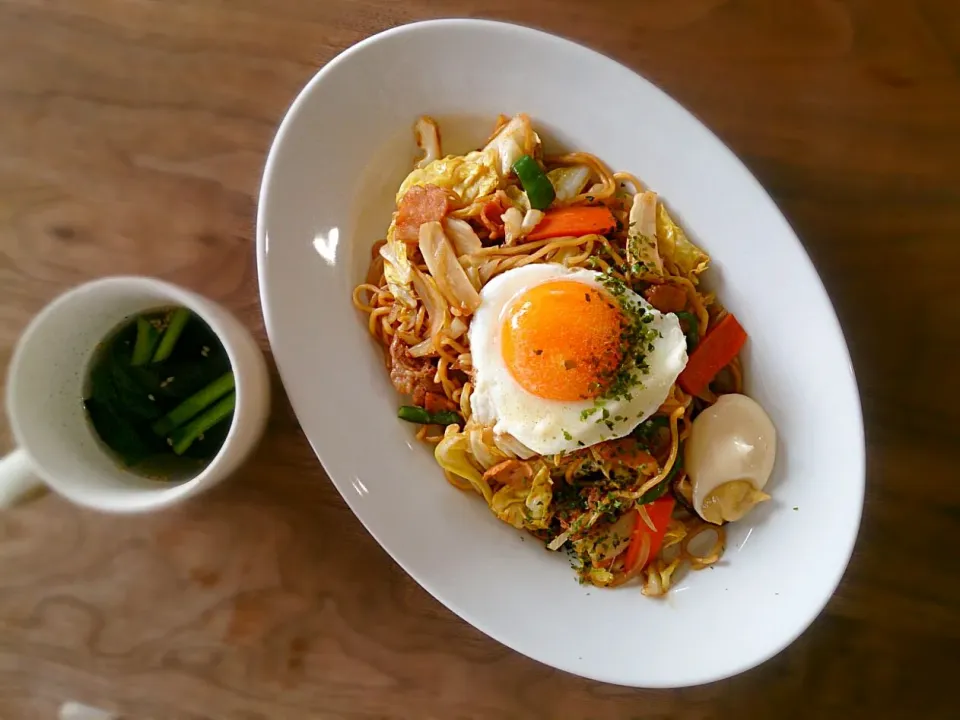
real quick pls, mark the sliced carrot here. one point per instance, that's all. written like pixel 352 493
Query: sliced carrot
pixel 574 222
pixel 666 298
pixel 715 351
pixel 419 205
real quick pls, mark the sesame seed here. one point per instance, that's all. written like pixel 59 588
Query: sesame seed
pixel 151 398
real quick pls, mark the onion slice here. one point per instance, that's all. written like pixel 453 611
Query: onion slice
pixel 445 268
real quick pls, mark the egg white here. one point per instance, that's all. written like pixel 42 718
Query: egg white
pixel 552 426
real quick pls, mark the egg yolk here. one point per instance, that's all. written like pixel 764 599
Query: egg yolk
pixel 561 340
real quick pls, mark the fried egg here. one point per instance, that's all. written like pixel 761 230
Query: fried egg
pixel 548 347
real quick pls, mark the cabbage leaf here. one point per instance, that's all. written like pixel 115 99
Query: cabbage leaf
pixel 453 455
pixel 527 506
pixel 676 246
pixel 471 176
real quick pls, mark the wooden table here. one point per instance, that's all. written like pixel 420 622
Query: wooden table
pixel 132 135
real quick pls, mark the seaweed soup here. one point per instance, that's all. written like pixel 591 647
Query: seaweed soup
pixel 159 394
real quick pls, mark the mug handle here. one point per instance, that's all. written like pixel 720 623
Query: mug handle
pixel 17 479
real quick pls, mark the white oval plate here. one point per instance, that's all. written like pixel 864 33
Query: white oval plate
pixel 327 193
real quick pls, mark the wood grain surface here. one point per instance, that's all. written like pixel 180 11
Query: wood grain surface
pixel 132 136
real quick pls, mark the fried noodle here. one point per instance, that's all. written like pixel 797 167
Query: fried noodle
pixel 444 366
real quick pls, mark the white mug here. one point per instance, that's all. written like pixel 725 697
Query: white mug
pixel 45 386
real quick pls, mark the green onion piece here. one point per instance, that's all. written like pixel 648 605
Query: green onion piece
pixel 539 189
pixel 178 320
pixel 147 336
pixel 414 414
pixel 185 436
pixel 693 328
pixel 195 404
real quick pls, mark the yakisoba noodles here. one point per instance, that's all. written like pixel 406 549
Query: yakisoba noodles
pixel 544 317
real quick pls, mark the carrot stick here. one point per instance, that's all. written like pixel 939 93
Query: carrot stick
pixel 574 222
pixel 714 353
